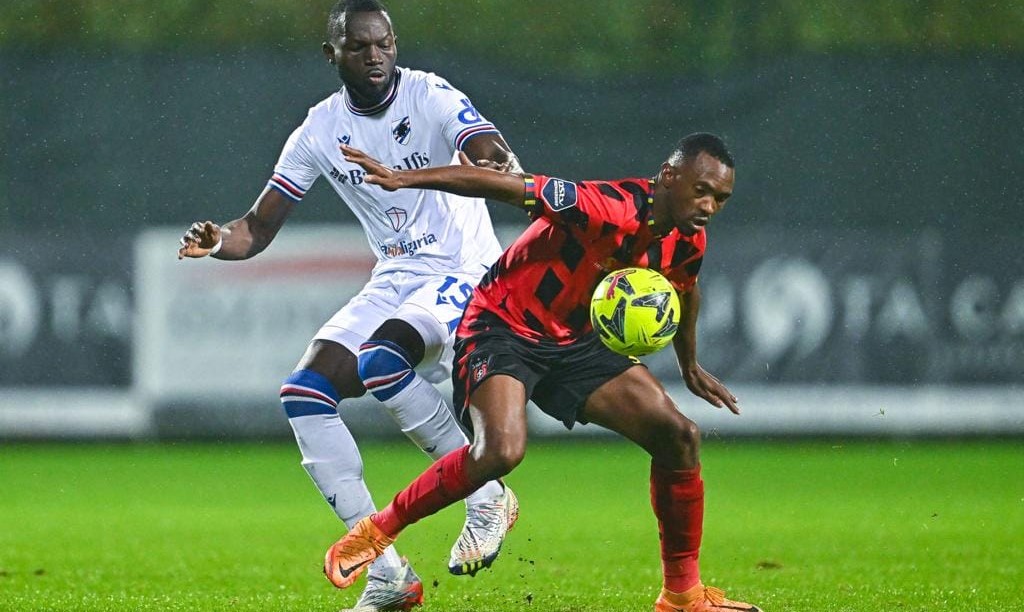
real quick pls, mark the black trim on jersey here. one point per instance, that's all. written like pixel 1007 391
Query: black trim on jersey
pixel 693 267
pixel 607 229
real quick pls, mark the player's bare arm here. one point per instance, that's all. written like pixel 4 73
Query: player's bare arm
pixel 242 238
pixel 491 151
pixel 465 180
pixel 699 381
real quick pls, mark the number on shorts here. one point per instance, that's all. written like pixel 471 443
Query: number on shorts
pixel 456 295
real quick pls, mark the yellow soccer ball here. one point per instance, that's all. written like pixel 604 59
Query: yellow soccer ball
pixel 635 311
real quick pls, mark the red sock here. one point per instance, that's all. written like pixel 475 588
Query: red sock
pixel 443 483
pixel 678 500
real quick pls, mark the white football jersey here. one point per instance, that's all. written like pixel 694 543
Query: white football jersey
pixel 422 122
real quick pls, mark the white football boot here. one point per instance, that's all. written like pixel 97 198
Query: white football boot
pixel 482 534
pixel 390 590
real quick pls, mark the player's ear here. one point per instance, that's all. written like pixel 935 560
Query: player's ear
pixel 328 50
pixel 668 174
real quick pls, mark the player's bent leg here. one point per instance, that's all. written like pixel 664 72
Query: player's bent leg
pixel 497 452
pixel 636 405
pixel 386 364
pixel 443 483
pixel 386 367
pixel 448 480
pixel 329 453
pixel 310 397
pixel 497 410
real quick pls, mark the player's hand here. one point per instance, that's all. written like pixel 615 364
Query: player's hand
pixel 510 165
pixel 199 240
pixel 376 172
pixel 703 384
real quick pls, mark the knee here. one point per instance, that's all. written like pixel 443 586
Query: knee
pixel 684 435
pixel 336 364
pixel 384 368
pixel 307 393
pixel 498 458
pixel 678 443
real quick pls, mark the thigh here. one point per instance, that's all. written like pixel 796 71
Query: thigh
pixel 375 303
pixel 576 372
pixel 336 363
pixel 497 409
pixel 636 405
pixel 487 354
pixel 433 305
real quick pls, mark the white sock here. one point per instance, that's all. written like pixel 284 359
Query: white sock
pixel 331 458
pixel 425 418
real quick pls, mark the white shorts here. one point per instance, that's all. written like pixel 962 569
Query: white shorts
pixel 432 304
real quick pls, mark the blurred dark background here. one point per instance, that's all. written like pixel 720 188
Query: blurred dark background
pixel 873 238
pixel 880 114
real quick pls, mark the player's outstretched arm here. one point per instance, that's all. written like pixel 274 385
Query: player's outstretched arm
pixel 466 180
pixel 699 381
pixel 491 151
pixel 241 238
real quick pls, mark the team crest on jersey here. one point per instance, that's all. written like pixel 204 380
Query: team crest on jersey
pixel 559 194
pixel 345 139
pixel 401 130
pixel 397 217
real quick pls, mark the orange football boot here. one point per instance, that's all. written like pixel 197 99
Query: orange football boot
pixel 350 555
pixel 700 598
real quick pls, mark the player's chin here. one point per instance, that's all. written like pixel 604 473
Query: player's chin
pixel 374 89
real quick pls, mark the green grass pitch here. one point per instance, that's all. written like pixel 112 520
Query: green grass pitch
pixel 816 526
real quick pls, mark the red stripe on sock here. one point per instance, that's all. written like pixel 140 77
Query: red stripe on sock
pixel 677 497
pixel 444 483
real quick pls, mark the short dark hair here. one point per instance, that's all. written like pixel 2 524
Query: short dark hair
pixel 701 142
pixel 336 18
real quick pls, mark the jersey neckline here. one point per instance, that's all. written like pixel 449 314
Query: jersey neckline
pixel 378 107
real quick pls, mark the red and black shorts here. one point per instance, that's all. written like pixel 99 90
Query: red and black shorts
pixel 558 378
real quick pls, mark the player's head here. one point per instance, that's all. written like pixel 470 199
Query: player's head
pixel 361 43
pixel 693 184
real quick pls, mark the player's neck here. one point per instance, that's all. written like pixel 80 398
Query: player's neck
pixel 369 106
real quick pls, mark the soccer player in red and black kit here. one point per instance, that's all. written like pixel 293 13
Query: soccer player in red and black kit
pixel 526 335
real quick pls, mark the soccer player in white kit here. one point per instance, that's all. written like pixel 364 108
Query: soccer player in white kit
pixel 394 338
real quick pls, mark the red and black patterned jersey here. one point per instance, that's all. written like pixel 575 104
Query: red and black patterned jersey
pixel 541 285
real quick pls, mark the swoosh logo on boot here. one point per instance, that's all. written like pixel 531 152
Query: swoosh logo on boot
pixel 347 571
